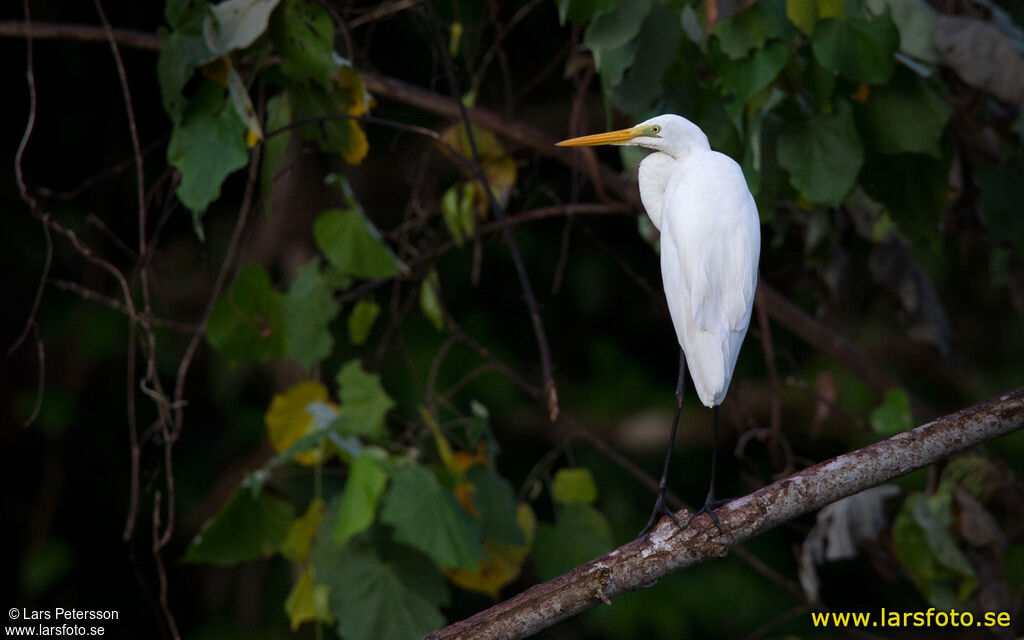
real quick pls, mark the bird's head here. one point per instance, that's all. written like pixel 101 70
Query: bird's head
pixel 668 133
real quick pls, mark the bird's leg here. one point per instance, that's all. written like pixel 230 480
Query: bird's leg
pixel 711 502
pixel 659 504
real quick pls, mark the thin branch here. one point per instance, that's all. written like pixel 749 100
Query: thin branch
pixel 79 32
pixel 26 197
pixel 768 346
pixel 218 285
pixel 41 383
pixel 824 338
pixel 490 228
pixel 161 573
pixel 498 209
pixel 91 295
pixel 667 549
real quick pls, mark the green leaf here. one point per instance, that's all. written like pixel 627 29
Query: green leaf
pixel 925 545
pixel 364 403
pixel 904 116
pixel 913 188
pixel 248 527
pixel 856 48
pixel 893 415
pixel 822 155
pixel 611 38
pixel 1002 191
pixel 746 78
pixel 426 516
pixel 307 310
pixel 495 500
pixel 821 84
pixel 279 114
pixel 457 209
pixel 915 21
pixel 579 10
pixel 374 598
pixel 180 54
pixel 574 486
pixel 430 300
pixel 657 46
pixel 580 533
pixel 303 35
pixel 246 323
pixel 361 320
pixel 207 146
pixel 750 28
pixel 331 133
pixel 358 506
pixel 352 244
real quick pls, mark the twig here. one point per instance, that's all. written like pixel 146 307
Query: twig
pixel 26 197
pixel 491 228
pixel 768 346
pixel 818 335
pixel 498 209
pixel 79 32
pixel 382 11
pixel 141 275
pixel 112 303
pixel 218 285
pixel 41 384
pixel 160 571
pixel 666 550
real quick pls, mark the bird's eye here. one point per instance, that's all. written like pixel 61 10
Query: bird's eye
pixel 656 129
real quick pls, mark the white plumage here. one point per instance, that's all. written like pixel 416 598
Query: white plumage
pixel 710 246
pixel 710 242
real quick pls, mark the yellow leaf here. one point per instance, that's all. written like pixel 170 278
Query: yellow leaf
pixel 464 495
pixel 802 14
pixel 465 459
pixel 288 420
pixel 501 567
pixel 358 145
pixel 501 176
pixel 862 93
pixel 307 601
pixel 443 448
pixel 217 70
pixel 527 521
pixel 487 144
pixel 300 537
pixel 350 80
pixel 497 166
pixel 830 8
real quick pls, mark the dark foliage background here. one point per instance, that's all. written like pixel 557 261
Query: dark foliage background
pixel 936 306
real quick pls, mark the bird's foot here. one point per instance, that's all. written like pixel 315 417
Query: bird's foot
pixel 710 504
pixel 659 510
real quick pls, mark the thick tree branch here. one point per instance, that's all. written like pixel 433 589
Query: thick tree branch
pixel 665 550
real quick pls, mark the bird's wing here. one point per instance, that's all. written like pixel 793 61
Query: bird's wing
pixel 710 249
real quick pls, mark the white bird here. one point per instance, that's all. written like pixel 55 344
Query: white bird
pixel 710 246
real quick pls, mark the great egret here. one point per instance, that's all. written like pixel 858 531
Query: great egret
pixel 710 246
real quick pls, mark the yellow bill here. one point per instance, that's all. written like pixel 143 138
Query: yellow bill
pixel 612 137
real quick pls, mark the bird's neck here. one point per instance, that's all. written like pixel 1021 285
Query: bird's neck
pixel 653 177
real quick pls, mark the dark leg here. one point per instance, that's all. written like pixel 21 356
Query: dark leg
pixel 659 504
pixel 711 502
